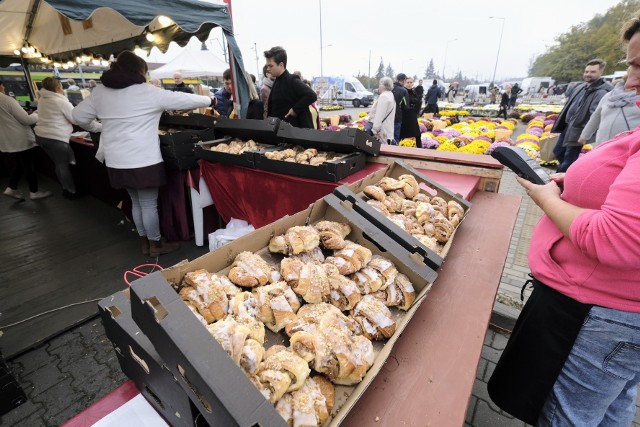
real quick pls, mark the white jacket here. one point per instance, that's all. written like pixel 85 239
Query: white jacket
pixel 15 131
pixel 55 120
pixel 383 114
pixel 130 119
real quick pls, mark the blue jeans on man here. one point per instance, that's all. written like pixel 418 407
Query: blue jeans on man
pixel 396 132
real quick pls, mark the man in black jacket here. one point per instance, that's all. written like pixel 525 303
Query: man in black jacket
pixel 290 98
pixel 401 96
pixel 577 111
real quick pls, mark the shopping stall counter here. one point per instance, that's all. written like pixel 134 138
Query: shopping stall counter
pixel 91 178
pixel 428 378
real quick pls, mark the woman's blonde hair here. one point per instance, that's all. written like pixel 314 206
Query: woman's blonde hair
pixel 51 84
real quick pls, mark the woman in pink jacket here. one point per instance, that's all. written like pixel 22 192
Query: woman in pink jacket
pixel 574 355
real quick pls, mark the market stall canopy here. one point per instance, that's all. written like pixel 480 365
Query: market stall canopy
pixel 62 30
pixel 192 63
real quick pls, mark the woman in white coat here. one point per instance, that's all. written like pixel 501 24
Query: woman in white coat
pixel 383 112
pixel 17 140
pixel 130 112
pixel 54 128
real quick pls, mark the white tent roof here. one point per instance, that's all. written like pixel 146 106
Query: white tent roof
pixel 192 63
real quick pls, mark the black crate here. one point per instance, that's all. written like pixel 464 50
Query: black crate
pixel 246 159
pixel 348 140
pixel 191 121
pixel 328 171
pixel 11 395
pixel 261 131
pixel 141 363
pixel 178 148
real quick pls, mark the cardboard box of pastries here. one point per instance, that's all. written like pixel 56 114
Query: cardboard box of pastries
pixel 141 363
pixel 187 120
pixel 417 212
pixel 241 391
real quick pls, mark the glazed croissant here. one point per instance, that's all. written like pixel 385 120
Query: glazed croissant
pixel 368 280
pixel 233 337
pixel 350 259
pixel 399 294
pixel 208 293
pixel 379 206
pixel 443 229
pixel 374 318
pixel 280 372
pixel 411 187
pixel 375 192
pixel 312 317
pixel 344 292
pixel 332 234
pixel 295 240
pixel 309 406
pixel 390 184
pixel 244 309
pixel 429 241
pixel 425 212
pixel 249 270
pixel 455 212
pixel 277 305
pixel 439 204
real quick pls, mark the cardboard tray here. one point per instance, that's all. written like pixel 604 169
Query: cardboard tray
pixel 347 140
pixel 353 194
pixel 193 120
pixel 141 363
pixel 328 171
pixel 246 159
pixel 214 383
pixel 262 131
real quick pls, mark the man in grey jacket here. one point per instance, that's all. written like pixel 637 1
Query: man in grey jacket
pixel 577 112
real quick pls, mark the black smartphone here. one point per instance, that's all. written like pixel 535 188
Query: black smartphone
pixel 516 159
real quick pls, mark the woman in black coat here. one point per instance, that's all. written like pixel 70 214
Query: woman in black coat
pixel 410 127
pixel 504 104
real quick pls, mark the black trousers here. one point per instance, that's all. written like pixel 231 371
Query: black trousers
pixel 24 163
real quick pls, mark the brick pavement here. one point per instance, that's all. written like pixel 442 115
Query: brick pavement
pixel 77 368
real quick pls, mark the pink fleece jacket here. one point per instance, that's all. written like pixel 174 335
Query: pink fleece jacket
pixel 600 263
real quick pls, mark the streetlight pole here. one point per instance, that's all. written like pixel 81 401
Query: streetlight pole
pixel 446 48
pixel 321 70
pixel 369 83
pixel 493 79
pixel 255 49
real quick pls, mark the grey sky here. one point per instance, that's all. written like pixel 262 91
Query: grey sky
pixel 407 36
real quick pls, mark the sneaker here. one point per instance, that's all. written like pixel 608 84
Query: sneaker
pixel 39 195
pixel 16 194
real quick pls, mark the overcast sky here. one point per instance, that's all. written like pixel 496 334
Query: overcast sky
pixel 406 34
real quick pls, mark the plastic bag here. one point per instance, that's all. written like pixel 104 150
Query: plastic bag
pixel 235 228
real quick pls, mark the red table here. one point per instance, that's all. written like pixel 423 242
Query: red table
pixel 261 197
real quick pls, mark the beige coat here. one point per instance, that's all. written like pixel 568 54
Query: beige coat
pixel 382 115
pixel 15 126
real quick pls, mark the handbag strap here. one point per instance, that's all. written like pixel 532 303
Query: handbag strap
pixel 385 117
pixel 625 118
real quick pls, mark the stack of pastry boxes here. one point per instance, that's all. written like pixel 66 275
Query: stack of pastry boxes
pixel 187 354
pixel 351 144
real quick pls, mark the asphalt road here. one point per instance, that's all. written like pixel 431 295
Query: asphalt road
pixel 352 111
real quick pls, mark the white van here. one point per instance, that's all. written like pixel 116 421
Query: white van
pixel 473 93
pixel 341 90
pixel 532 85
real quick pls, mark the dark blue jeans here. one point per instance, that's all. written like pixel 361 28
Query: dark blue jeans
pixel 567 156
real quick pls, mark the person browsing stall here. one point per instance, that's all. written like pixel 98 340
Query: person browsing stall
pixel 54 128
pixel 573 358
pixel 180 86
pixel 290 98
pixel 130 111
pixel 18 141
pixel 224 95
pixel 382 113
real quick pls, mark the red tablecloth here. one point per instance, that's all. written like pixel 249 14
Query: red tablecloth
pixel 260 197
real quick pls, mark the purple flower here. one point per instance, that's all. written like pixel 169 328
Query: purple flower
pixel 423 128
pixel 484 138
pixel 496 145
pixel 451 133
pixel 502 127
pixel 437 132
pixel 528 140
pixel 429 143
pixel 333 128
pixel 548 122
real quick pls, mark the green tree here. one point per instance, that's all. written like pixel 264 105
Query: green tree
pixel 597 38
pixel 389 71
pixel 380 72
pixel 430 72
